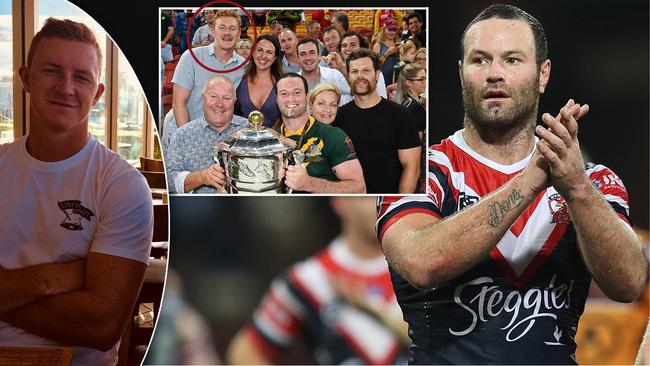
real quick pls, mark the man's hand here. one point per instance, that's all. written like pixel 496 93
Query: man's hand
pixel 214 176
pixel 392 50
pixel 335 61
pixel 297 178
pixel 560 148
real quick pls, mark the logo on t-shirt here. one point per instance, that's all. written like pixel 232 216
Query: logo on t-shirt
pixel 74 212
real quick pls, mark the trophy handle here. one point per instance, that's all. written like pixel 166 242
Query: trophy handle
pixel 227 185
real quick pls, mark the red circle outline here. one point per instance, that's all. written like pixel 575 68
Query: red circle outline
pixel 189 26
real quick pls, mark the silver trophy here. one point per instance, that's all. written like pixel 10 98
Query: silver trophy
pixel 254 158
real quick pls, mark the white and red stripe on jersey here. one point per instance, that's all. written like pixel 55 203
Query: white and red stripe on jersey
pixel 305 291
pixel 459 176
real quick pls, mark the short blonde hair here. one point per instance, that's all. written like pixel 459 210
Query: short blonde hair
pixel 227 13
pixel 421 50
pixel 404 48
pixel 323 87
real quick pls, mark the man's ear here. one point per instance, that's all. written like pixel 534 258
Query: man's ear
pixel 23 72
pixel 100 91
pixel 544 75
pixel 460 71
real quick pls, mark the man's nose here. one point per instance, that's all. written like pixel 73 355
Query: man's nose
pixel 495 72
pixel 65 84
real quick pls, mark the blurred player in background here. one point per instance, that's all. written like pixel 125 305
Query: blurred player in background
pixel 340 300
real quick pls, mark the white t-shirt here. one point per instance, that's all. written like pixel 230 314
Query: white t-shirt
pixel 56 212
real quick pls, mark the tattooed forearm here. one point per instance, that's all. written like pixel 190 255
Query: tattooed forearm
pixel 498 210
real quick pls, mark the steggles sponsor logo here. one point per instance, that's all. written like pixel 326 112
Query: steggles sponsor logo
pixel 491 301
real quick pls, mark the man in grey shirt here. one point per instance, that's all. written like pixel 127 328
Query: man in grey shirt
pixel 190 165
pixel 204 36
pixel 190 77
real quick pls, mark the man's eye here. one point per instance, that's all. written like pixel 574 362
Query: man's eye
pixel 512 61
pixel 480 61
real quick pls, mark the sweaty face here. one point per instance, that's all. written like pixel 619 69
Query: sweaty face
pixel 362 76
pixel 63 83
pixel 226 32
pixel 308 57
pixel 332 41
pixel 264 55
pixel 219 104
pixel 325 107
pixel 499 75
pixel 349 45
pixel 292 97
pixel 288 42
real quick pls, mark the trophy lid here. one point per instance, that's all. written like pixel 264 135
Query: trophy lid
pixel 256 140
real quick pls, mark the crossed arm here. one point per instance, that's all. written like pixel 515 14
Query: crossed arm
pixel 94 308
pixel 19 287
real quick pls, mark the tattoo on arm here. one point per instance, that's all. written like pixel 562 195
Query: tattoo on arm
pixel 498 210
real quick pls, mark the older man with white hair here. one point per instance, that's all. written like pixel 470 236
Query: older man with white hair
pixel 190 165
pixel 191 76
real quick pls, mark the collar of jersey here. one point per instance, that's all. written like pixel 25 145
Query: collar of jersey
pixel 310 123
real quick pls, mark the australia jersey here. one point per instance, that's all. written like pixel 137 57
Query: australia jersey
pixel 521 303
pixel 302 302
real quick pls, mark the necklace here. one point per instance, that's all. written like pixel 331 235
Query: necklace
pixel 302 134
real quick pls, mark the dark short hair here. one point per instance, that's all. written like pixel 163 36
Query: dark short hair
pixel 307 40
pixel 363 42
pixel 276 67
pixel 414 15
pixel 68 30
pixel 329 29
pixel 342 18
pixel 312 22
pixel 293 75
pixel 361 53
pixel 510 12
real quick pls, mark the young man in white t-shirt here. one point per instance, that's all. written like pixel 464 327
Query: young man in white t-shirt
pixel 77 218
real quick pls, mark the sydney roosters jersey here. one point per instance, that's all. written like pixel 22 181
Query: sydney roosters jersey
pixel 521 303
pixel 302 302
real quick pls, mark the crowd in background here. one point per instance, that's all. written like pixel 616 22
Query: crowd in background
pixel 396 36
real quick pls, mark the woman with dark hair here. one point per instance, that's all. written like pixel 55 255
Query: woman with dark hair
pixel 256 91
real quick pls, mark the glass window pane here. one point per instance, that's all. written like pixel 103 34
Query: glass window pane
pixel 61 9
pixel 6 73
pixel 130 114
